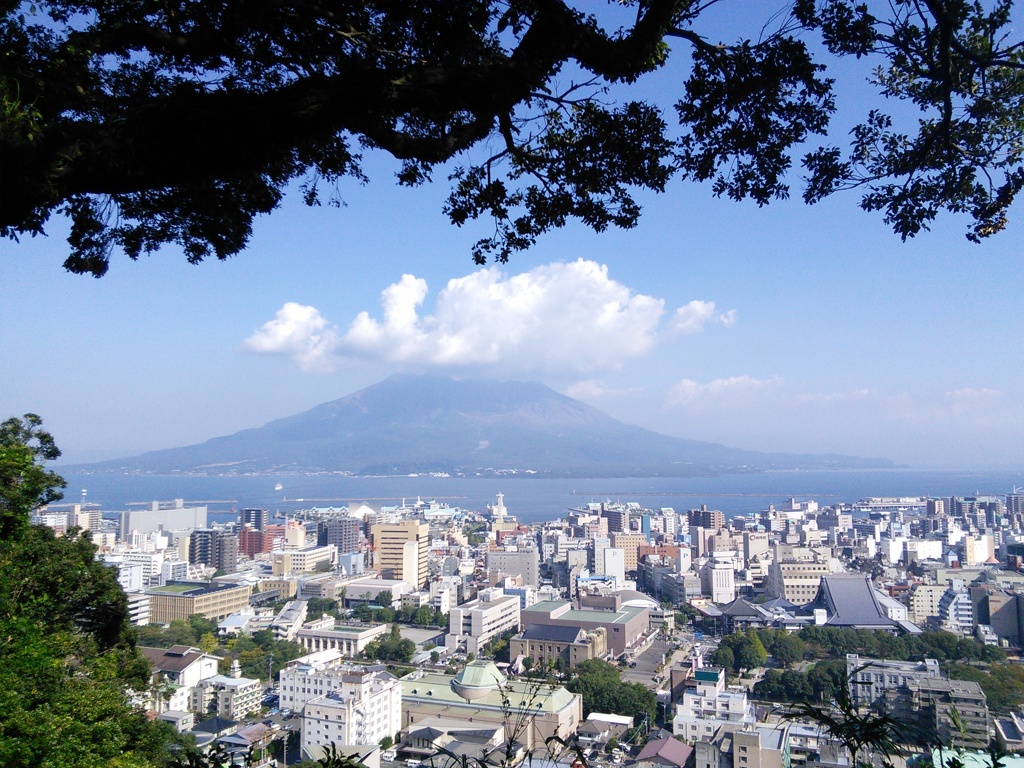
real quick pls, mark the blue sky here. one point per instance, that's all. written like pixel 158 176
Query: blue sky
pixel 789 328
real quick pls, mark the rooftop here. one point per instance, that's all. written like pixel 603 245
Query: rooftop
pixel 521 695
pixel 852 602
pixel 621 616
pixel 554 634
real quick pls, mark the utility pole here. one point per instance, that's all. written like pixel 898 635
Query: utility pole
pixel 270 670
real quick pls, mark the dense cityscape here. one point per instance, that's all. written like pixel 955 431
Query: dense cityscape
pixel 421 632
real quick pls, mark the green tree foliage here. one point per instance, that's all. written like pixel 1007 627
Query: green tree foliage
pixel 743 649
pixel 202 626
pixel 833 642
pixel 751 653
pixel 148 125
pixel 68 654
pixel 724 657
pixel 391 647
pixel 786 649
pixel 178 632
pixel 598 682
pixel 318 606
pixel 500 647
pixel 1002 683
pixel 25 484
pixel 253 653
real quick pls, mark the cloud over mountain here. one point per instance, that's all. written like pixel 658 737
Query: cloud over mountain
pixel 556 318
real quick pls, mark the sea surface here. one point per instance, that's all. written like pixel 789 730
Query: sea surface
pixel 532 499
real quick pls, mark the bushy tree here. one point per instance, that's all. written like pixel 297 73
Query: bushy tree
pixel 602 690
pixel 750 652
pixel 25 483
pixel 67 656
pixel 150 124
pixel 391 647
pixel 787 649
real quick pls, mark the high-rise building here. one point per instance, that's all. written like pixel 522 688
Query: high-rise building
pixel 257 518
pixel 617 517
pixel 252 542
pixel 1015 509
pixel 707 518
pixel 215 548
pixel 629 543
pixel 394 558
pixel 513 561
pixel 343 533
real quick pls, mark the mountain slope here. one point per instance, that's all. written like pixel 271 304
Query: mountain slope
pixel 431 424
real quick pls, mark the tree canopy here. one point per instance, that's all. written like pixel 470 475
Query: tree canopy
pixel 150 122
pixel 598 682
pixel 68 656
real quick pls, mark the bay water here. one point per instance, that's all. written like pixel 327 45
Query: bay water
pixel 530 498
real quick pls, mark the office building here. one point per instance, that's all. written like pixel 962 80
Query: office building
pixel 625 627
pixel 214 548
pixel 307 560
pixel 167 516
pixel 179 600
pixel 474 624
pixel 257 518
pixel 629 543
pixel 713 519
pixel 343 533
pixel 401 551
pixel 514 561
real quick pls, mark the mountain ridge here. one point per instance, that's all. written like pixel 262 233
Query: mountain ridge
pixel 409 424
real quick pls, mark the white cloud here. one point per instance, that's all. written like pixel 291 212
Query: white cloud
pixel 688 391
pixel 301 333
pixel 694 316
pixel 560 317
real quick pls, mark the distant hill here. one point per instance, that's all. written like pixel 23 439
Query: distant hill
pixel 417 424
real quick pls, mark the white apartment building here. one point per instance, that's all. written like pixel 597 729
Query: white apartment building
pixel 322 673
pixel 138 608
pixel 441 600
pixel 175 570
pixel 341 702
pixel 708 704
pixel 288 622
pixel 150 562
pixel 229 696
pixel 956 611
pixel 472 625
